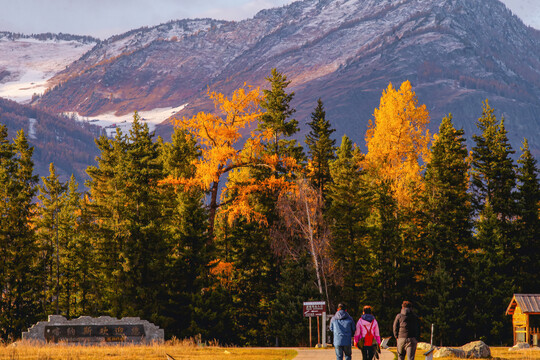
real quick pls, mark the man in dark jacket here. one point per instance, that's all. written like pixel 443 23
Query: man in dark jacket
pixel 406 331
pixel 342 325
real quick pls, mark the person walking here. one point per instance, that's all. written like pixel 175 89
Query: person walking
pixel 367 328
pixel 342 325
pixel 406 331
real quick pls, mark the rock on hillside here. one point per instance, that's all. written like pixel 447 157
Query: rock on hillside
pixel 456 53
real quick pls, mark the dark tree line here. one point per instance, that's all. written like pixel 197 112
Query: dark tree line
pixel 137 245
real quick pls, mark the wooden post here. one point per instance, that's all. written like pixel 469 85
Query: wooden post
pixel 318 332
pixel 324 330
pixel 310 343
pixel 527 331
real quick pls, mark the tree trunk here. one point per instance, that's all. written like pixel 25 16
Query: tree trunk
pixel 313 253
pixel 213 209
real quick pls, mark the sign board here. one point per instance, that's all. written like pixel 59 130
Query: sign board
pixel 94 333
pixel 314 308
pixel 90 330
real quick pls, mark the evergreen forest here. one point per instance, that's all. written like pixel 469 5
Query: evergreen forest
pixel 228 228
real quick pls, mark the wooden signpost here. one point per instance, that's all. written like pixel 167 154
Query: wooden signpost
pixel 312 309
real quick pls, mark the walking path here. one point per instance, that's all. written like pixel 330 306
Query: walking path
pixel 330 354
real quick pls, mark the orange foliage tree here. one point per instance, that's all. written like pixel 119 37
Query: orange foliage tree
pixel 397 141
pixel 224 152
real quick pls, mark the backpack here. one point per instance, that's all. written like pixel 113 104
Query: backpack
pixel 368 339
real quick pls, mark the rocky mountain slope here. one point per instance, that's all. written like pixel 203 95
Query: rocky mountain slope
pixel 456 53
pixel 67 143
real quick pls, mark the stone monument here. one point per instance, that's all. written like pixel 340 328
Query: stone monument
pixel 92 331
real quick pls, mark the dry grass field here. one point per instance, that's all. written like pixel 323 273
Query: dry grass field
pixel 503 353
pixel 178 350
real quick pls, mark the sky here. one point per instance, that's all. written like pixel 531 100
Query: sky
pixel 104 18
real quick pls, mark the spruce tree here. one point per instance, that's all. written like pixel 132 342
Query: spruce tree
pixel 493 175
pixel 385 286
pixel 127 202
pixel 321 148
pixel 51 197
pixel 277 117
pixel 493 183
pixel 528 222
pixel 185 225
pixel 106 206
pixel 446 234
pixel 294 287
pixel 490 287
pixel 89 287
pixel 19 284
pixel 350 198
pixel 74 253
pixel 144 252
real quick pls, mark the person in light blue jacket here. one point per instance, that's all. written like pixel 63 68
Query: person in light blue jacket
pixel 342 325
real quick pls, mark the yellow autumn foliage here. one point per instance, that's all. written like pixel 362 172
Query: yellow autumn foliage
pixel 225 152
pixel 397 141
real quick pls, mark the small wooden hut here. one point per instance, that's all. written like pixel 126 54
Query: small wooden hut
pixel 526 327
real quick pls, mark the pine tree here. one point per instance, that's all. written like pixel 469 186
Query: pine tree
pixel 493 175
pixel 490 286
pixel 127 202
pixel 321 148
pixel 74 254
pixel 387 283
pixel 106 206
pixel 528 222
pixel 19 286
pixel 294 287
pixel 252 281
pixel 446 233
pixel 186 222
pixel 493 183
pixel 277 117
pixel 51 197
pixel 145 250
pixel 88 287
pixel 350 199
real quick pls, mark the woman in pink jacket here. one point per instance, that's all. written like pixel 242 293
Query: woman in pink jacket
pixel 368 329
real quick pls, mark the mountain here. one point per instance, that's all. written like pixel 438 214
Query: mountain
pixel 67 143
pixel 27 62
pixel 456 53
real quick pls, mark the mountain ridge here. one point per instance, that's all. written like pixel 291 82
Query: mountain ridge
pixel 456 53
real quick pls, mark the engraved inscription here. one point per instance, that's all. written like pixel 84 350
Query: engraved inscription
pixel 94 333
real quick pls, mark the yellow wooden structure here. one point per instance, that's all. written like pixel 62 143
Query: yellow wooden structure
pixel 525 328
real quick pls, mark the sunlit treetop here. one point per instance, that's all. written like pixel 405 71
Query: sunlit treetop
pixel 397 140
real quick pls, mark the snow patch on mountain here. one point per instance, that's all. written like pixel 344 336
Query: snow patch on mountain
pixel 32 128
pixel 27 64
pixel 110 122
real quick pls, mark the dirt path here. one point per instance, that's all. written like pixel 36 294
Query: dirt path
pixel 330 354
